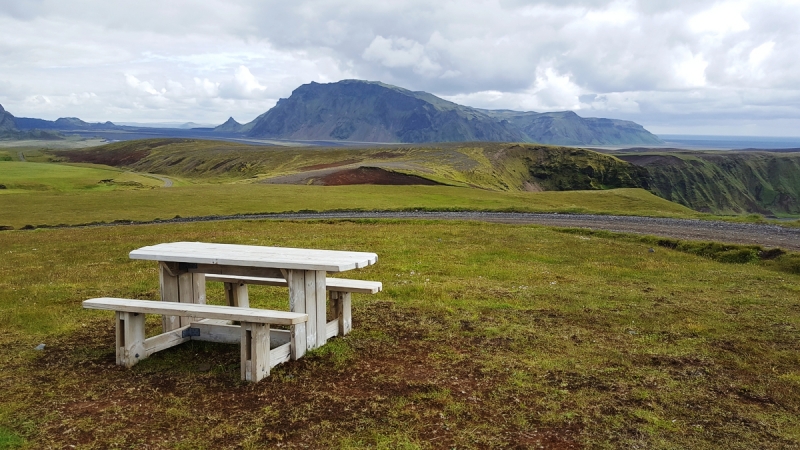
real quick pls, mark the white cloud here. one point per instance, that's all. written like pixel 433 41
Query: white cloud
pixel 204 60
pixel 691 71
pixel 243 86
pixel 722 18
pixel 400 53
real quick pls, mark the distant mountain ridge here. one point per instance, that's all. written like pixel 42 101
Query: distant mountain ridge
pixel 370 111
pixel 9 129
pixel 7 122
pixel 63 124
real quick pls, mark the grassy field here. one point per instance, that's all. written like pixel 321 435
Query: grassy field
pixel 20 177
pixel 485 336
pixel 200 200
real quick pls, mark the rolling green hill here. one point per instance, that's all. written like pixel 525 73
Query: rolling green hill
pixel 713 182
pixel 493 166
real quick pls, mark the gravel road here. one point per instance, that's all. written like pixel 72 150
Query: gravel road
pixel 698 230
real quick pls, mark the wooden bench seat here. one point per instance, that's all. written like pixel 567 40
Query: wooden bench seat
pixel 339 292
pixel 253 334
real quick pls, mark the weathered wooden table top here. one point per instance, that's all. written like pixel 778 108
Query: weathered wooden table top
pixel 255 256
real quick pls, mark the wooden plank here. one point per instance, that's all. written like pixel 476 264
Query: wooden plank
pixel 332 328
pixel 279 337
pixel 197 311
pixel 130 338
pixel 217 332
pixel 255 256
pixel 164 341
pixel 321 299
pixel 279 354
pixel 331 284
pixel 239 271
pixel 186 294
pixel 169 293
pixel 296 281
pixel 310 299
pixel 199 288
pixel 344 313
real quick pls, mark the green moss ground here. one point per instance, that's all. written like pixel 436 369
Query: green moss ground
pixel 485 336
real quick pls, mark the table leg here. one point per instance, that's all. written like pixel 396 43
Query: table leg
pixel 296 280
pixel 236 295
pixel 180 286
pixel 307 295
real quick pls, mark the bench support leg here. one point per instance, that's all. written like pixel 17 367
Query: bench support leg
pixel 236 295
pixel 255 351
pixel 130 338
pixel 343 304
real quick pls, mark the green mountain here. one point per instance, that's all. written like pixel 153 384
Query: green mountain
pixel 356 110
pixel 725 182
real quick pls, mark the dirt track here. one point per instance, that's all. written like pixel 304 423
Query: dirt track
pixel 700 230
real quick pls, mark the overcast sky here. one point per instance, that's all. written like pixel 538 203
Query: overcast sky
pixel 675 66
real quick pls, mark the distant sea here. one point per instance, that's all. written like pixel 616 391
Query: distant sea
pixel 729 142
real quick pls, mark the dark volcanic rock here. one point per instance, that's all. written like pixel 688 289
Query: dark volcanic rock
pixel 7 122
pixel 355 110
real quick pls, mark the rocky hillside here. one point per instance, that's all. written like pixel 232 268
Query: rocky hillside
pixel 355 110
pixel 7 123
pixel 725 182
pixel 9 129
pixel 568 128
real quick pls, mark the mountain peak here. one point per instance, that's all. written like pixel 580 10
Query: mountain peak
pixel 230 126
pixel 372 111
pixel 8 122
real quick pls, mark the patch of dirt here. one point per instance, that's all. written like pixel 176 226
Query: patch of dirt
pixel 392 376
pixel 527 186
pixel 372 175
pixel 387 155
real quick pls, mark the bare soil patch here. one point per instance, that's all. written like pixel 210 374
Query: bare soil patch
pixel 380 383
pixel 372 175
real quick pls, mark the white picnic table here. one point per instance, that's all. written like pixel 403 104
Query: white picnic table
pixel 183 266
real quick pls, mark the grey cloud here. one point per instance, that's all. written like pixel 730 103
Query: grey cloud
pixel 642 60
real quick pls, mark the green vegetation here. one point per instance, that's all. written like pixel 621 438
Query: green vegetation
pixel 486 336
pixel 494 166
pixel 9 440
pixel 713 182
pixel 726 182
pixel 203 200
pixel 19 177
